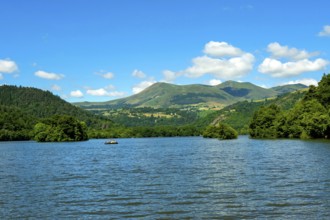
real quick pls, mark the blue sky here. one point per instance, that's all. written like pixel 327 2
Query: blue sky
pixel 99 50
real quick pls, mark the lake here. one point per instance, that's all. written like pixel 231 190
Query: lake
pixel 166 178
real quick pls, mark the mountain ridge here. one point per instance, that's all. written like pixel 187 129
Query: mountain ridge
pixel 166 95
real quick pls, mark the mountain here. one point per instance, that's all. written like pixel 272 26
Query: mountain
pixel 165 95
pixel 246 90
pixel 289 88
pixel 36 104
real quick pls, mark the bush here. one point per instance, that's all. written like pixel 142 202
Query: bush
pixel 220 131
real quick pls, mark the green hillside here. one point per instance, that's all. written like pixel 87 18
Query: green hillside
pixel 22 107
pixel 289 88
pixel 165 95
pixel 42 104
pixel 239 115
pixel 246 90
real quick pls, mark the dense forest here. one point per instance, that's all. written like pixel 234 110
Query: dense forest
pixel 15 124
pixel 21 108
pixel 37 103
pixel 60 128
pixel 309 118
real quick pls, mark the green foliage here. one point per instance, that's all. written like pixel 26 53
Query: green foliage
pixel 14 124
pixel 60 128
pixel 220 131
pixel 263 123
pixel 239 115
pixel 309 118
pixel 323 91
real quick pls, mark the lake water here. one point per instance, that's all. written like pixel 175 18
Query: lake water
pixel 166 178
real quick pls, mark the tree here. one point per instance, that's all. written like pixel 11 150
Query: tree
pixel 263 124
pixel 323 90
pixel 60 128
pixel 220 131
pixel 308 119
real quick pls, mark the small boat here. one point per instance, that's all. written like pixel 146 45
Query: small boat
pixel 111 142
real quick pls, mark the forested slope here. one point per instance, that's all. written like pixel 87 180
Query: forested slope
pixel 22 107
pixel 308 118
pixel 37 103
pixel 240 114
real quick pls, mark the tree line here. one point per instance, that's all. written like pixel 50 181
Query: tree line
pixel 308 119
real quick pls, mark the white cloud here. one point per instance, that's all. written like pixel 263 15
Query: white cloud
pixel 47 75
pixel 170 76
pixel 221 49
pixel 1 76
pixel 306 82
pixel 277 68
pixel 76 94
pixel 97 92
pixel 142 85
pixel 222 60
pixel 214 82
pixel 325 32
pixel 105 92
pixel 8 66
pixel 108 75
pixel 56 87
pixel 279 51
pixel 235 67
pixel 138 74
pixel 298 61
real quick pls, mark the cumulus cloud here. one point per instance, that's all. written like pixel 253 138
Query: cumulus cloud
pixel 47 75
pixel 214 82
pixel 306 82
pixel 235 67
pixel 279 51
pixel 105 92
pixel 142 85
pixel 277 68
pixel 298 63
pixel 8 66
pixel 221 49
pixel 138 74
pixel 76 94
pixel 221 60
pixel 97 92
pixel 325 32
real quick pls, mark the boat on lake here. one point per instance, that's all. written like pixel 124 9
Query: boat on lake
pixel 111 142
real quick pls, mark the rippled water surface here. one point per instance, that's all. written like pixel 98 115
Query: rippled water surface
pixel 166 178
